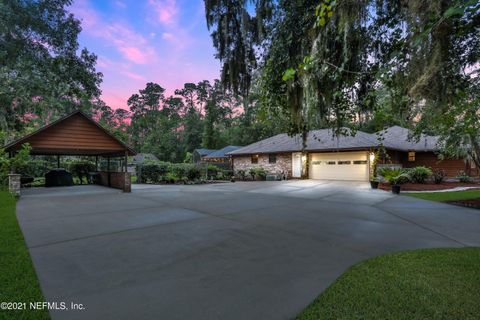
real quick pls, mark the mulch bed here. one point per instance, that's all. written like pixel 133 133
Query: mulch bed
pixel 429 186
pixel 472 203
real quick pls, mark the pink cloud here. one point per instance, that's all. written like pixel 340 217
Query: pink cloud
pixel 134 54
pixel 166 10
pixel 133 75
pixel 118 34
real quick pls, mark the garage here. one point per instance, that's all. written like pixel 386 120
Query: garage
pixel 339 166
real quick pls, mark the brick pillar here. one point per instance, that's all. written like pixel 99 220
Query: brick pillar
pixel 127 186
pixel 14 184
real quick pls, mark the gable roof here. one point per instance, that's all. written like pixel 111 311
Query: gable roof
pixel 402 139
pixel 203 152
pixel 396 138
pixel 317 140
pixel 222 153
pixel 73 134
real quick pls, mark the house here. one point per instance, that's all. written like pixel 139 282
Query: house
pixel 198 154
pixel 346 157
pixel 219 157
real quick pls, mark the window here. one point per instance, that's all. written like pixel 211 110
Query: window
pixel 344 162
pixel 272 158
pixel 316 162
pixel 411 156
pixel 330 162
pixel 360 162
pixel 254 158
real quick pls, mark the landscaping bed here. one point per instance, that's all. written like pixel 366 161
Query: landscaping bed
pixel 472 203
pixel 420 284
pixel 429 186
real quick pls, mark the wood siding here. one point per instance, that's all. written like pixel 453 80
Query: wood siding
pixel 74 135
pixel 430 160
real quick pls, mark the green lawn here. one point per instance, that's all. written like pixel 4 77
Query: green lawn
pixel 18 281
pixel 446 196
pixel 421 284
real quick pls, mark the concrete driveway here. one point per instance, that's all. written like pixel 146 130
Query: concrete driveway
pixel 245 250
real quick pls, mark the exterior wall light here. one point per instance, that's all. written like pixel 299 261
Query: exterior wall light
pixel 372 156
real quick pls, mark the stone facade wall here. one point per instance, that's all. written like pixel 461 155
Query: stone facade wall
pixel 283 163
pixel 118 180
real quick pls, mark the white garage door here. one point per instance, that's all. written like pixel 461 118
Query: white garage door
pixel 339 166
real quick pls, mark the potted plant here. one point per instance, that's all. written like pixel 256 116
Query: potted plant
pixel 374 182
pixel 397 181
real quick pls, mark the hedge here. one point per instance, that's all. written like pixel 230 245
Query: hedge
pixel 160 172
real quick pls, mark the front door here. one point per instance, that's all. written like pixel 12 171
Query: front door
pixel 297 164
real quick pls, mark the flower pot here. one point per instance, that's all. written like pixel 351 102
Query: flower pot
pixel 374 184
pixel 395 189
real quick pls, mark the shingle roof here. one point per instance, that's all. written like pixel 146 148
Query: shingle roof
pixel 317 140
pixel 401 139
pixel 204 152
pixel 323 140
pixel 222 153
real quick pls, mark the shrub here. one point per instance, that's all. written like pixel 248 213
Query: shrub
pixel 193 173
pixel 439 175
pixel 212 170
pixel 242 174
pixel 224 175
pixel 394 176
pixel 462 176
pixel 179 169
pixel 419 174
pixel 153 172
pixel 171 178
pixel 81 168
pixel 258 172
pixel 401 179
pixel 388 173
pixel 17 163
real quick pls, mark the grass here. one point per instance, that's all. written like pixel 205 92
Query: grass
pixel 421 284
pixel 18 280
pixel 447 196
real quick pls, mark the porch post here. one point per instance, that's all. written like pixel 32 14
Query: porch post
pixel 108 171
pixel 58 161
pixel 126 159
pixel 96 163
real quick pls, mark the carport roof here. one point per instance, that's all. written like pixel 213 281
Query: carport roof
pixel 74 134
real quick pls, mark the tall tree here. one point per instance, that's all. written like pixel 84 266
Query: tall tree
pixel 192 118
pixel 144 108
pixel 324 60
pixel 41 73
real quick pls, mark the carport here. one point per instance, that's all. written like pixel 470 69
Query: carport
pixel 77 134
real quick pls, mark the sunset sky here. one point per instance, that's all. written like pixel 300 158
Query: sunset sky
pixel 162 41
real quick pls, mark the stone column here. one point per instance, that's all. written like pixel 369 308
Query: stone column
pixel 127 184
pixel 14 184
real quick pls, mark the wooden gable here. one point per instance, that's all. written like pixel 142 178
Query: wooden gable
pixel 75 134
